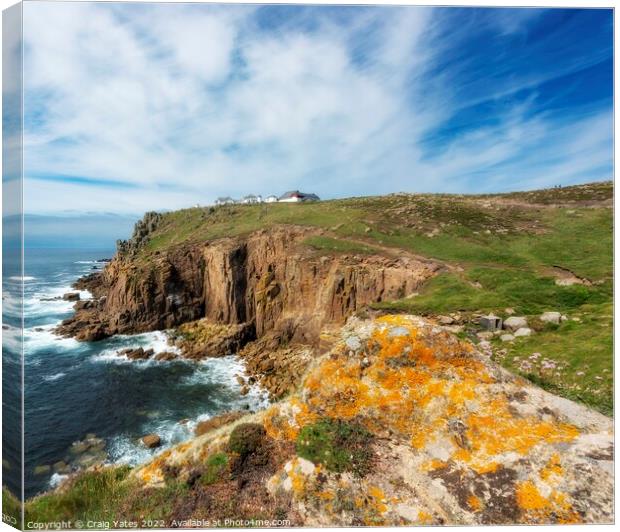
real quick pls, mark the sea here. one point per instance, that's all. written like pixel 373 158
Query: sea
pixel 76 390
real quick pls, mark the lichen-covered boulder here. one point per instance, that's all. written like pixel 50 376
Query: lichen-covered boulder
pixel 459 440
pixel 448 437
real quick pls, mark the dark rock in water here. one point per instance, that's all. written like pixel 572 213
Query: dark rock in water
pixel 151 440
pixel 91 333
pixel 57 298
pixel 91 458
pixel 39 329
pixel 104 260
pixel 166 356
pixel 42 470
pixel 71 296
pixel 138 353
pixel 62 468
pixel 89 444
pixel 5 327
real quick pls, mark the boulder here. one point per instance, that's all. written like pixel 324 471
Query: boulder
pixel 62 468
pixel 42 470
pixel 216 422
pixel 514 323
pixel 71 296
pixel 138 353
pixel 166 356
pixel 445 320
pixel 506 337
pixel 151 441
pixel 468 443
pixel 523 331
pixel 89 333
pixel 551 317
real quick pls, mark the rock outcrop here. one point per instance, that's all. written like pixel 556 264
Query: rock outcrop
pixel 201 339
pixel 268 280
pixel 434 433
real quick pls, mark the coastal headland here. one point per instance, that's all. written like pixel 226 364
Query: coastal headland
pixel 366 319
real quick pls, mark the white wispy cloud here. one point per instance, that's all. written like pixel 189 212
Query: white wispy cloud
pixel 169 105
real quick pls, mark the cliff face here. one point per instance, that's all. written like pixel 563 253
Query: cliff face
pixel 269 279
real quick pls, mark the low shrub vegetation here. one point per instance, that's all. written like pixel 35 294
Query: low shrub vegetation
pixel 337 444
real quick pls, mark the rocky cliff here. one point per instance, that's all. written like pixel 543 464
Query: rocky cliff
pixel 268 279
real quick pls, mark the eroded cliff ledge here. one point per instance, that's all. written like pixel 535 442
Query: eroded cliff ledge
pixel 269 280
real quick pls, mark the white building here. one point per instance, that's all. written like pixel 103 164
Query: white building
pixel 251 198
pixel 271 199
pixel 225 201
pixel 294 196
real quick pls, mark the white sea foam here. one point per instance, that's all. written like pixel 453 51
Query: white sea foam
pixel 11 304
pixel 157 341
pixel 125 449
pixel 129 450
pixel 50 302
pixel 224 371
pixel 20 278
pixel 54 377
pixel 57 479
pixel 43 337
pixel 12 339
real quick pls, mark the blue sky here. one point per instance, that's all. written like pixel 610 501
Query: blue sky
pixel 133 107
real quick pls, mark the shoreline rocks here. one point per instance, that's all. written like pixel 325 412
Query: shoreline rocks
pixel 151 441
pixel 277 366
pixel 216 422
pixel 204 339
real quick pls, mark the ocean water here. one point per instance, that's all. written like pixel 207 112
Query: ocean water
pixel 74 389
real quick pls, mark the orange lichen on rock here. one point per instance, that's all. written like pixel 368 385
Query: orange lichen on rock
pixel 540 509
pixel 474 503
pixel 553 470
pixel 426 386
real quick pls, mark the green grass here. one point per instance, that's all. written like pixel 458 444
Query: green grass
pixel 104 496
pixel 338 245
pixel 215 466
pixel 11 509
pixel 95 496
pixel 582 349
pixel 337 444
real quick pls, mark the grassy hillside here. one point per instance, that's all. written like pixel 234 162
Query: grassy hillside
pixel 499 251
